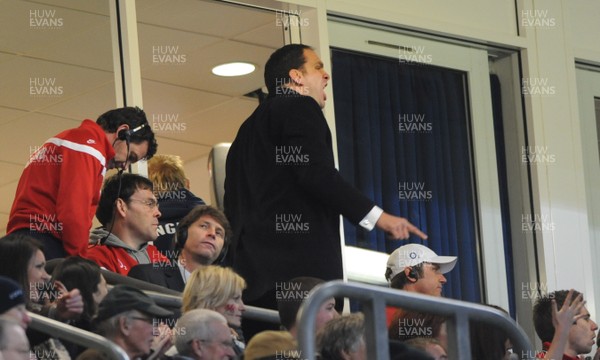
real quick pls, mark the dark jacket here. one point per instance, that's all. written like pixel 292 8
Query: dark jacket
pixel 283 196
pixel 173 205
pixel 166 275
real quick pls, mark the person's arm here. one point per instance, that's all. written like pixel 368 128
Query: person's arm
pixel 306 130
pixel 80 174
pixel 396 227
pixel 562 321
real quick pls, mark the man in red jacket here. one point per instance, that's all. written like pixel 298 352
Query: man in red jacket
pixel 59 189
pixel 128 212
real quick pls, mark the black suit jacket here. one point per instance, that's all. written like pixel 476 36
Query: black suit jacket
pixel 283 196
pixel 165 276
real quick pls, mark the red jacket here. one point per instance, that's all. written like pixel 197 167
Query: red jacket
pixel 119 260
pixel 60 186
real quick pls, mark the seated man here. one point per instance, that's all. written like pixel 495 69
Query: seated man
pixel 171 187
pixel 127 317
pixel 344 338
pixel 201 237
pixel 203 334
pixel 575 332
pixel 417 268
pixel 128 212
pixel 12 302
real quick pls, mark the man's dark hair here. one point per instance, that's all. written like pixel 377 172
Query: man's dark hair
pixel 542 313
pixel 280 63
pixel 129 184
pixel 400 280
pixel 134 117
pixel 288 308
pixel 199 211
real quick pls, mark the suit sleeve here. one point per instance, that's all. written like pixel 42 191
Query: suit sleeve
pixel 137 272
pixel 306 129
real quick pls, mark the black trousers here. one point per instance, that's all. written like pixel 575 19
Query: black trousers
pixel 51 246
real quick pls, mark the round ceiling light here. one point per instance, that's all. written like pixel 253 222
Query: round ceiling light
pixel 233 69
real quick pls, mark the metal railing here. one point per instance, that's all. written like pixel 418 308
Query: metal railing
pixel 374 300
pixel 254 313
pixel 56 329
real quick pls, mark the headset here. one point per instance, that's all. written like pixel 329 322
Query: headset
pixel 181 235
pixel 126 134
pixel 413 274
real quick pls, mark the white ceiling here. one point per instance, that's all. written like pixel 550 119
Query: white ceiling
pixel 203 109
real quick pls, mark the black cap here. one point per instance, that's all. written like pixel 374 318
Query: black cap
pixel 11 294
pixel 123 298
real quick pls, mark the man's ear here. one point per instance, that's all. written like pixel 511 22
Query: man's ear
pixel 121 207
pixel 197 348
pixel 346 355
pixel 296 76
pixel 124 325
pixel 121 128
pixel 410 274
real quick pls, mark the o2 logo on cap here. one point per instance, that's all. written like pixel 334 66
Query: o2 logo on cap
pixel 413 255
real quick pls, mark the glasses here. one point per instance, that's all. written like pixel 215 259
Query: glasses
pixel 223 343
pixel 151 203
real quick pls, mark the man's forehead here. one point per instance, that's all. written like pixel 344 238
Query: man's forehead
pixel 146 192
pixel 311 56
pixel 209 219
pixel 584 311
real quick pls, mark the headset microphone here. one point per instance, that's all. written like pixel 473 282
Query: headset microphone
pixel 126 134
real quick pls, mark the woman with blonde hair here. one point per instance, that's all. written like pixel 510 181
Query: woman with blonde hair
pixel 220 289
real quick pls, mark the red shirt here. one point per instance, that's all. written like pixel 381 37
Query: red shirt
pixel 546 346
pixel 118 260
pixel 60 186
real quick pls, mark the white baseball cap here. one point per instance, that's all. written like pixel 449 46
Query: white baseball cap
pixel 414 254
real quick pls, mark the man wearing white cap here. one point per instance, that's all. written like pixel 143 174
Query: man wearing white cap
pixel 417 268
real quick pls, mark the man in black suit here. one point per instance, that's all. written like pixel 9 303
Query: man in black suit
pixel 283 194
pixel 200 238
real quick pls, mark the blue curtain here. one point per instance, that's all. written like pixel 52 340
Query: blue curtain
pixel 403 139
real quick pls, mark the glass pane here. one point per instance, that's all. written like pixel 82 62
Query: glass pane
pixel 56 67
pixel 189 108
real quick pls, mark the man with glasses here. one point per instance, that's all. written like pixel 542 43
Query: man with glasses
pixel 59 188
pixel 203 334
pixel 128 212
pixel 127 317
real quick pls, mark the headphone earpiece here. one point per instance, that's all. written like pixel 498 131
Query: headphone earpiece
pixel 123 134
pixel 126 134
pixel 413 274
pixel 181 235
